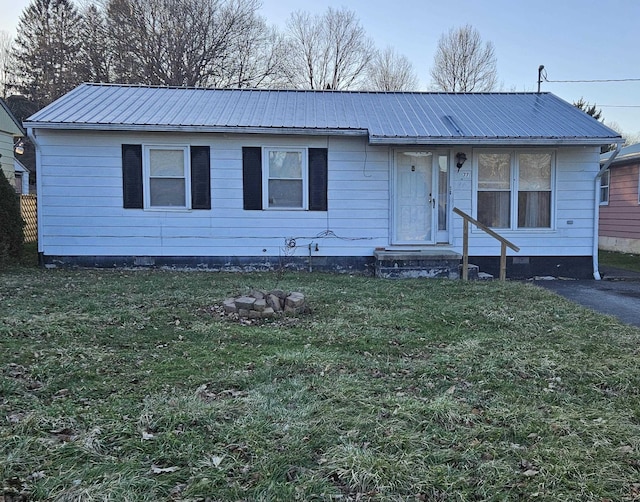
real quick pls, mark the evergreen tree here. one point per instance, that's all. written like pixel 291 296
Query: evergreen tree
pixel 46 53
pixel 96 52
pixel 11 223
pixel 588 109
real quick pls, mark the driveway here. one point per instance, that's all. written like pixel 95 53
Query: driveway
pixel 618 294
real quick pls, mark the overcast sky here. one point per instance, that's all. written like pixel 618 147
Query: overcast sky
pixel 573 39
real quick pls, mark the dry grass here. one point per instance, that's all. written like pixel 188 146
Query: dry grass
pixel 120 385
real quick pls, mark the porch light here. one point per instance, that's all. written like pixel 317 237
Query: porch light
pixel 461 157
pixel 19 147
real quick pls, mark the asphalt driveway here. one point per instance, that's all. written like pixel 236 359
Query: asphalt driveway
pixel 617 294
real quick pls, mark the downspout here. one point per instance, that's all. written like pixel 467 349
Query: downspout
pixel 31 134
pixel 596 211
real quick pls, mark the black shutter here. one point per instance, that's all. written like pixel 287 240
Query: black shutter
pixel 317 179
pixel 200 177
pixel 252 177
pixel 132 176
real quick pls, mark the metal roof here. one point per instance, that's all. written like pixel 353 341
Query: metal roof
pixel 385 117
pixel 628 155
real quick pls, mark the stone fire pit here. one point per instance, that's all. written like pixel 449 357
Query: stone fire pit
pixel 265 304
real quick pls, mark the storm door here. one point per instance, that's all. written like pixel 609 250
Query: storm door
pixel 414 200
pixel 421 198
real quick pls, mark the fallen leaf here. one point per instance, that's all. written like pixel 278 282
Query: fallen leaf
pixel 147 435
pixel 530 472
pixel 161 470
pixel 216 460
pixel 625 449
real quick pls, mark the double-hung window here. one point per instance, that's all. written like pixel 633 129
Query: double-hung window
pixel 285 179
pixel 166 176
pixel 604 187
pixel 494 189
pixel 534 190
pixel 515 190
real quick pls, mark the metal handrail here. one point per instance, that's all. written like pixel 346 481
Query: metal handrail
pixel 504 243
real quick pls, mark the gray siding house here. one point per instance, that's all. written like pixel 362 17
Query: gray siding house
pixel 256 179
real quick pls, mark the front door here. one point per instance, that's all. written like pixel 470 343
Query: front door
pixel 414 199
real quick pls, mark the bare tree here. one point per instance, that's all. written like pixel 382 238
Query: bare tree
pixel 254 58
pixel 390 71
pixel 46 50
pixel 176 42
pixel 5 59
pixel 328 51
pixel 463 63
pixel 629 137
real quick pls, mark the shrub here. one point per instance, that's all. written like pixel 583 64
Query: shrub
pixel 11 222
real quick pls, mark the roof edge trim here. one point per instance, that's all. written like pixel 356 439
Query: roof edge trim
pixel 457 140
pixel 151 128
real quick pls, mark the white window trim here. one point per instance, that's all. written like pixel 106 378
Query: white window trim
pixel 304 155
pixel 513 207
pixel 607 186
pixel 146 172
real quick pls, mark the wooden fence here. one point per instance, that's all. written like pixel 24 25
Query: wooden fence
pixel 29 211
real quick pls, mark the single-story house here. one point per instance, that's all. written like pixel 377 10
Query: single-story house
pixel 10 131
pixel 620 202
pixel 257 179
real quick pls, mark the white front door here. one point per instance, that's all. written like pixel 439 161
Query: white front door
pixel 414 198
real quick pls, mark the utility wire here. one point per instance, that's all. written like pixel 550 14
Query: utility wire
pixel 592 81
pixel 619 106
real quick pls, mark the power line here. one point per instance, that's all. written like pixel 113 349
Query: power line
pixel 593 81
pixel 619 106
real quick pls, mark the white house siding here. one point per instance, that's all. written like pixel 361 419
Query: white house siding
pixel 81 213
pixel 80 197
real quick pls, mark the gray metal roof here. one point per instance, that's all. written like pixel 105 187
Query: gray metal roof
pixel 385 117
pixel 627 155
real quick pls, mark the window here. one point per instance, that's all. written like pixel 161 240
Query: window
pixel 494 189
pixel 285 179
pixel 514 190
pixel 292 178
pixel 166 177
pixel 534 190
pixel 604 187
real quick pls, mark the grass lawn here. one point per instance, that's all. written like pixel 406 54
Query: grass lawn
pixel 620 260
pixel 129 386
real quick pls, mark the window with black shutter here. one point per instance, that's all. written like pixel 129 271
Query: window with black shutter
pixel 166 177
pixel 200 178
pixel 284 178
pixel 132 176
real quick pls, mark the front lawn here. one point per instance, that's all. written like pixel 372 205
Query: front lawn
pixel 128 385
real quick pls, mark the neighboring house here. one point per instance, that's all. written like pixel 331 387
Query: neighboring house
pixel 21 174
pixel 620 202
pixel 10 130
pixel 256 179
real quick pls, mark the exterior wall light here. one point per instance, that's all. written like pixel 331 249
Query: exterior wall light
pixel 460 158
pixel 18 147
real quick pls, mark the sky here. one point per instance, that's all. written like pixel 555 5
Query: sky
pixel 573 39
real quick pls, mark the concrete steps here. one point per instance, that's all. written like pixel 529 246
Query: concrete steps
pixel 423 263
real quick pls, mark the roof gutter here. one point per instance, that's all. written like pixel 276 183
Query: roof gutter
pixel 596 210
